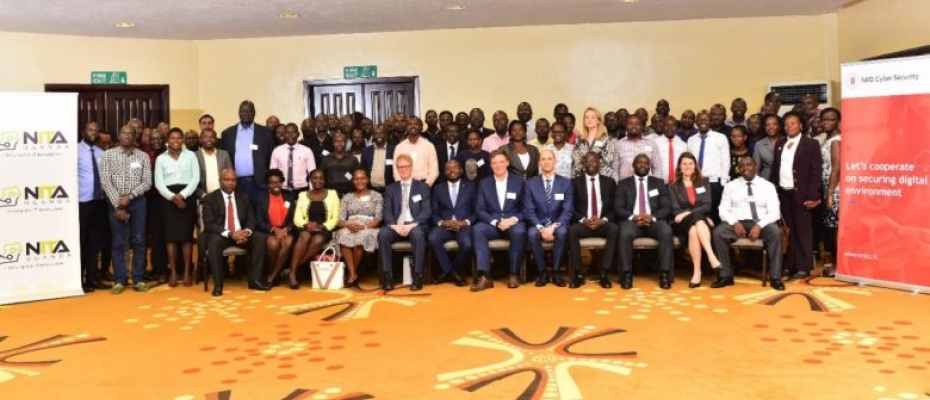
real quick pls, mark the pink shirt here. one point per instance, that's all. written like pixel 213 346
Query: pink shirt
pixel 425 162
pixel 304 163
pixel 495 142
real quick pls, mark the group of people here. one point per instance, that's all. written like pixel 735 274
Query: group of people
pixel 284 192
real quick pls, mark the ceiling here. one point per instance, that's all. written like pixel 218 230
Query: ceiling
pixel 225 19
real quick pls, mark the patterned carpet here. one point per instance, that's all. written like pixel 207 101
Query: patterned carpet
pixel 821 339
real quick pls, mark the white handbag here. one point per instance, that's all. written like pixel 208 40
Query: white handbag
pixel 328 272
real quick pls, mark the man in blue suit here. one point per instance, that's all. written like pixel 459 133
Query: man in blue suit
pixel 406 217
pixel 547 209
pixel 499 209
pixel 453 217
pixel 378 160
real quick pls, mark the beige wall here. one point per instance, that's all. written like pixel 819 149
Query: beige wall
pixel 874 27
pixel 691 63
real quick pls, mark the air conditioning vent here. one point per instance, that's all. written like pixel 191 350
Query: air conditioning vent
pixel 793 93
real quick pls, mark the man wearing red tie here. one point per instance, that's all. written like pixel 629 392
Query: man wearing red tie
pixel 593 216
pixel 670 148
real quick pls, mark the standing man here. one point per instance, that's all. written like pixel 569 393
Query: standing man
pixel 500 137
pixel 432 127
pixel 211 161
pixel 686 128
pixel 547 208
pixel 407 213
pixel 448 147
pixel 126 175
pixel 738 109
pixel 250 146
pixel 295 160
pixel 320 142
pixel 229 220
pixel 192 140
pixel 453 206
pixel 476 119
pixel 713 151
pixel 205 122
pixel 593 216
pixel 670 147
pixel 499 209
pixel 718 119
pixel 378 160
pixel 92 207
pixel 642 205
pixel 525 115
pixel 422 152
pixel 155 221
pixel 542 138
pixel 634 143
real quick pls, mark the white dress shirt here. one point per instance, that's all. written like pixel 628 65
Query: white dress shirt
pixel 734 204
pixel 786 169
pixel 449 147
pixel 501 187
pixel 716 166
pixel 211 174
pixel 646 196
pixel 678 146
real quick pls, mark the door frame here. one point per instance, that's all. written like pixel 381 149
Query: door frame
pixel 309 84
pixel 83 87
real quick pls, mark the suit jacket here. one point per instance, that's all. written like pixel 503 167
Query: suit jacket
pixel 464 205
pixel 368 157
pixel 485 132
pixel 419 202
pixel 222 162
pixel 442 155
pixel 489 209
pixel 214 212
pixel 263 222
pixel 678 197
pixel 538 211
pixel 516 167
pixel 606 191
pixel 807 168
pixel 625 198
pixel 318 146
pixel 261 158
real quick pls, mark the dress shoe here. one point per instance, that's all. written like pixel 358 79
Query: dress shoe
pixel 722 281
pixel 692 285
pixel 293 285
pixel 800 275
pixel 513 282
pixel 100 285
pixel 417 283
pixel 543 279
pixel 388 283
pixel 217 291
pixel 626 280
pixel 665 281
pixel 557 279
pixel 458 279
pixel 256 285
pixel 88 288
pixel 482 284
pixel 777 284
pixel 577 282
pixel 605 282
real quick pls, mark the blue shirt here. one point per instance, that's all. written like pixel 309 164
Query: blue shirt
pixel 86 171
pixel 245 136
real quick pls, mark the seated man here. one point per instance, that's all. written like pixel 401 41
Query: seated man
pixel 547 209
pixel 453 216
pixel 229 220
pixel 499 208
pixel 406 217
pixel 748 208
pixel 593 217
pixel 641 217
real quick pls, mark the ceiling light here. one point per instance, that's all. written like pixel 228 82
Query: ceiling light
pixel 125 25
pixel 288 15
pixel 456 7
pixel 630 1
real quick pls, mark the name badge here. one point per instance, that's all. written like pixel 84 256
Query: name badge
pixel 559 196
pixel 653 192
pixel 416 199
pixel 700 190
pixel 135 165
pixel 348 176
pixel 480 163
pixel 598 143
pixel 365 198
pixel 325 153
pixel 511 195
pixel 751 199
pixel 253 147
pixel 388 162
pixel 648 149
pixel 287 204
pixel 414 156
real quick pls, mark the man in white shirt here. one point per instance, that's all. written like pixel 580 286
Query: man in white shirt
pixel 670 147
pixel 712 150
pixel 749 209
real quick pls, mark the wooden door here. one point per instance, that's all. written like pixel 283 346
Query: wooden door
pixel 111 106
pixel 376 98
pixel 337 99
pixel 385 99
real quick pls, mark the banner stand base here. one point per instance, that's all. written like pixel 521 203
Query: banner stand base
pixel 884 284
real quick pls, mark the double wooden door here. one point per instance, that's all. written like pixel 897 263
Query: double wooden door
pixel 376 98
pixel 112 106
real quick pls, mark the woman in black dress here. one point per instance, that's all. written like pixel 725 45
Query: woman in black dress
pixel 691 202
pixel 315 217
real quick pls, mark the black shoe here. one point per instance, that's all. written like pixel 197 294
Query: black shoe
pixel 777 284
pixel 577 282
pixel 388 283
pixel 149 277
pixel 626 280
pixel 665 281
pixel 459 280
pixel 605 282
pixel 256 285
pixel 722 281
pixel 543 279
pixel 293 285
pixel 101 285
pixel 217 291
pixel 417 283
pixel 799 275
pixel 693 285
pixel 557 279
pixel 88 288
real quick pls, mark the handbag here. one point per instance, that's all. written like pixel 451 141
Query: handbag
pixel 328 272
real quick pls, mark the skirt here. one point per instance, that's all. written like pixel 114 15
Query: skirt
pixel 179 222
pixel 681 229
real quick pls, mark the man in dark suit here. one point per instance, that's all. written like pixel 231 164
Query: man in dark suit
pixel 796 173
pixel 593 217
pixel 448 147
pixel 453 217
pixel 476 119
pixel 406 217
pixel 547 208
pixel 229 220
pixel 642 206
pixel 249 146
pixel 499 210
pixel 382 174
pixel 317 138
pixel 209 178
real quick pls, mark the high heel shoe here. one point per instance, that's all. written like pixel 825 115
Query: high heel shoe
pixel 693 285
pixel 293 285
pixel 353 283
pixel 173 280
pixel 188 281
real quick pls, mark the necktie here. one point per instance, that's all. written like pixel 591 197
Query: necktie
pixel 230 215
pixel 98 190
pixel 404 202
pixel 290 168
pixel 642 197
pixel 451 151
pixel 701 154
pixel 548 190
pixel 455 193
pixel 671 161
pixel 752 203
pixel 594 210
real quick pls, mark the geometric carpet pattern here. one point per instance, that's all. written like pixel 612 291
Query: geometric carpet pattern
pixel 819 339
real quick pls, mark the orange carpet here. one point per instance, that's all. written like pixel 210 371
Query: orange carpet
pixel 821 339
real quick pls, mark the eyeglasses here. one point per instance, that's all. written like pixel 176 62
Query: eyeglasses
pixel 403 166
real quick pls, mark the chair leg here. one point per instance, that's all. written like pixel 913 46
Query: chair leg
pixel 765 268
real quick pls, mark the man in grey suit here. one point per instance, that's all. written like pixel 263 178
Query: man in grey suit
pixel 212 161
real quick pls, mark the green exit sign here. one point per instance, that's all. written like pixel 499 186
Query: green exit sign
pixel 108 78
pixel 360 71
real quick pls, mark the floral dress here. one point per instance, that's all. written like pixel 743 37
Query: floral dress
pixel 831 217
pixel 361 209
pixel 606 147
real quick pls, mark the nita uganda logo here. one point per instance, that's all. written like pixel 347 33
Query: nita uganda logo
pixel 10 140
pixel 54 248
pixel 32 195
